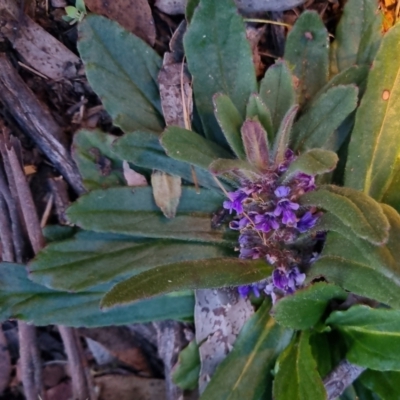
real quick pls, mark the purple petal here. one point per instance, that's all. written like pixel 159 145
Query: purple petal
pixel 279 278
pixel 244 290
pixel 307 221
pixel 282 191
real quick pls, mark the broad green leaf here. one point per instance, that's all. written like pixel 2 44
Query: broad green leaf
pixel 372 335
pixel 363 393
pixel 184 145
pixel 134 212
pixel 144 150
pixel 392 194
pixel 215 37
pixel 304 309
pixel 312 162
pixel 23 299
pixel 98 165
pixel 167 190
pixel 342 263
pixel 283 136
pixel 256 108
pixel 55 233
pixel 385 384
pixel 358 33
pixel 122 70
pixel 277 92
pixel 84 261
pixel 321 347
pixel 186 372
pixel 307 54
pixel 354 75
pixel 246 371
pixel 255 142
pixel 354 209
pixel 315 128
pixel 230 121
pixel 222 166
pixel 198 274
pixel 375 145
pixel 296 376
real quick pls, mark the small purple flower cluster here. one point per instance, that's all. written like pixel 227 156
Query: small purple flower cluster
pixel 270 219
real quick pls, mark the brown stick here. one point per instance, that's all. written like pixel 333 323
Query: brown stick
pixel 37 122
pixel 72 347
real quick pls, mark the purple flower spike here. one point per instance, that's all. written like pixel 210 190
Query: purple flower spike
pixel 266 222
pixel 235 201
pixel 307 221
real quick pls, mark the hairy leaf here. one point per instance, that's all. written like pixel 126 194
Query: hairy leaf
pixel 296 376
pixel 122 70
pixel 312 162
pixel 255 142
pixel 358 33
pixel 90 259
pixel 215 37
pixel 306 52
pixel 315 128
pixel 230 122
pixel 188 146
pixel 277 92
pixel 305 308
pixel 245 372
pixel 23 299
pixel 134 212
pixel 144 150
pixel 372 336
pixel 200 274
pixel 256 108
pixel 355 209
pixel 98 165
pixel 375 145
pixel 186 372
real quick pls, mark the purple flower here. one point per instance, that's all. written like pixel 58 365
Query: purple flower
pixel 295 279
pixel 245 290
pixel 307 221
pixel 235 201
pixel 266 222
pixel 288 281
pixel 285 208
pixel 280 279
pixel 237 225
pixel 282 191
pixel 305 182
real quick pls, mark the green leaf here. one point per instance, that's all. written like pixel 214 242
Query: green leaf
pixel 23 299
pixel 312 162
pixel 255 142
pixel 282 137
pixel 354 209
pixel 375 145
pixel 188 146
pixel 167 190
pixel 134 212
pixel 122 70
pixel 98 165
pixel 315 128
pixel 215 37
pixel 55 233
pixel 321 347
pixel 296 376
pixel 186 373
pixel 277 92
pixel 84 261
pixel 307 53
pixel 230 121
pixel 239 167
pixel 200 274
pixel 257 109
pixel 372 335
pixel 246 371
pixel 385 384
pixel 144 150
pixel 342 263
pixel 304 309
pixel 358 33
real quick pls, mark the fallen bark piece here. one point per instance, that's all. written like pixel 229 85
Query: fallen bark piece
pixel 36 47
pixel 37 122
